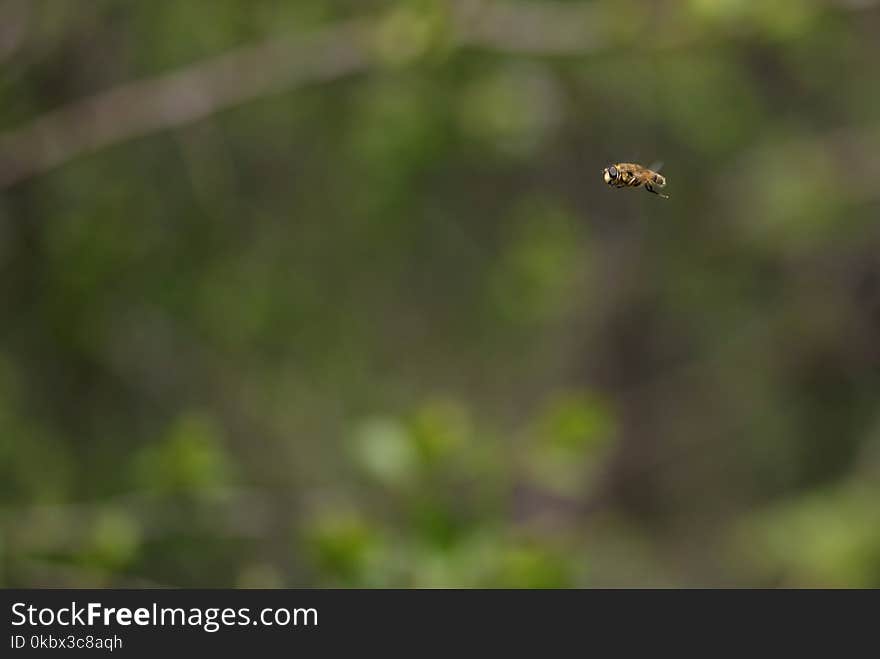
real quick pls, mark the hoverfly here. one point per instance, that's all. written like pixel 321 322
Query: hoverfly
pixel 631 175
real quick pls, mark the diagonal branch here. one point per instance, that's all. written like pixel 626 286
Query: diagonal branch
pixel 147 106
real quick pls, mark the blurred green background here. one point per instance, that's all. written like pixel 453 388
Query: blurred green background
pixel 332 294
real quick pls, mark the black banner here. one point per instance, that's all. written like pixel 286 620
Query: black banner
pixel 148 621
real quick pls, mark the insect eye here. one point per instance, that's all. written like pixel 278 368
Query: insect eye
pixel 612 171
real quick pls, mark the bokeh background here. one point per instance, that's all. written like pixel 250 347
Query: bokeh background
pixel 332 294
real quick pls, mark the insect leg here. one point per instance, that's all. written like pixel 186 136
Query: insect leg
pixel 650 188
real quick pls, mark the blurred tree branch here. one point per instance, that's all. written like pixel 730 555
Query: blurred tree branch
pixel 147 106
pixel 14 16
pixel 529 28
pixel 58 527
pixel 197 91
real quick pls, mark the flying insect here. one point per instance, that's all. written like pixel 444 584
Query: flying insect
pixel 632 175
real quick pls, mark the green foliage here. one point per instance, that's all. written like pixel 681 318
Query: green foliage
pixel 829 539
pixel 189 459
pixel 113 541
